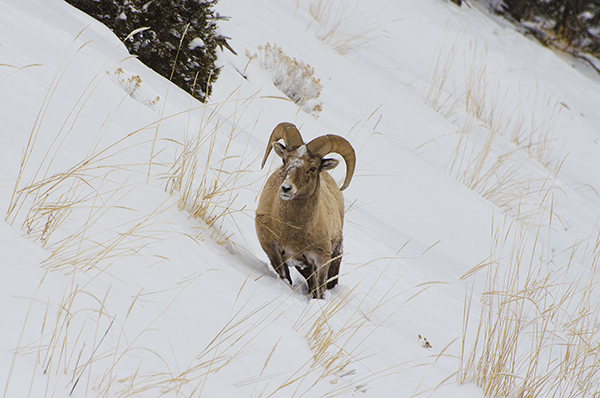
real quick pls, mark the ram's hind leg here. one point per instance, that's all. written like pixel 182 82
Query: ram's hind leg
pixel 334 266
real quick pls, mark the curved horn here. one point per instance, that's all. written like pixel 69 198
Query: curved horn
pixel 290 135
pixel 329 143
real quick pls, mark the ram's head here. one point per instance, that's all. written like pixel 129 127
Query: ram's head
pixel 303 163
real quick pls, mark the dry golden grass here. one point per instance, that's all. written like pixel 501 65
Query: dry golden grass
pixel 480 97
pixel 86 191
pixel 85 195
pixel 15 69
pixel 336 331
pixel 343 26
pixel 440 78
pixel 537 335
pixel 82 335
pixel 496 152
pixel 207 188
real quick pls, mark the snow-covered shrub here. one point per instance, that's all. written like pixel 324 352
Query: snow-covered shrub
pixel 133 85
pixel 180 42
pixel 293 77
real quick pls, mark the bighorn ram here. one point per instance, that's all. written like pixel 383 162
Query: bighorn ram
pixel 300 213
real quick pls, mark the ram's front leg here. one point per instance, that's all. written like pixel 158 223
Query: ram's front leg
pixel 278 264
pixel 307 270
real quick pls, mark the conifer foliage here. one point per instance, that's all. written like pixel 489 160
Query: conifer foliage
pixel 569 25
pixel 180 43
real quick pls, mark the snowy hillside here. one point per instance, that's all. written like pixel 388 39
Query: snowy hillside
pixel 130 263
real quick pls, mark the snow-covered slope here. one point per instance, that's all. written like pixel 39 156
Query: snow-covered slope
pixel 475 147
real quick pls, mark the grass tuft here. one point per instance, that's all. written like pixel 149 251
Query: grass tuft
pixel 342 25
pixel 207 188
pixel 537 335
pixel 501 153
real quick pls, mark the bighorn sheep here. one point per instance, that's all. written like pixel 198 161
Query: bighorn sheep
pixel 300 213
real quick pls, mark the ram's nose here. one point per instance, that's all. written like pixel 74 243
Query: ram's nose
pixel 285 188
pixel 286 191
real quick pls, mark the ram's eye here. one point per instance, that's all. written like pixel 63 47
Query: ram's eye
pixel 312 169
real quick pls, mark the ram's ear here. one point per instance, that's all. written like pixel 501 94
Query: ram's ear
pixel 279 149
pixel 328 164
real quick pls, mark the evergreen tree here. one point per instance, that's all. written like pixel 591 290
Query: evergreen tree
pixel 180 43
pixel 570 25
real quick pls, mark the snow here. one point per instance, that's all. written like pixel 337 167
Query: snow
pixel 110 289
pixel 195 43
